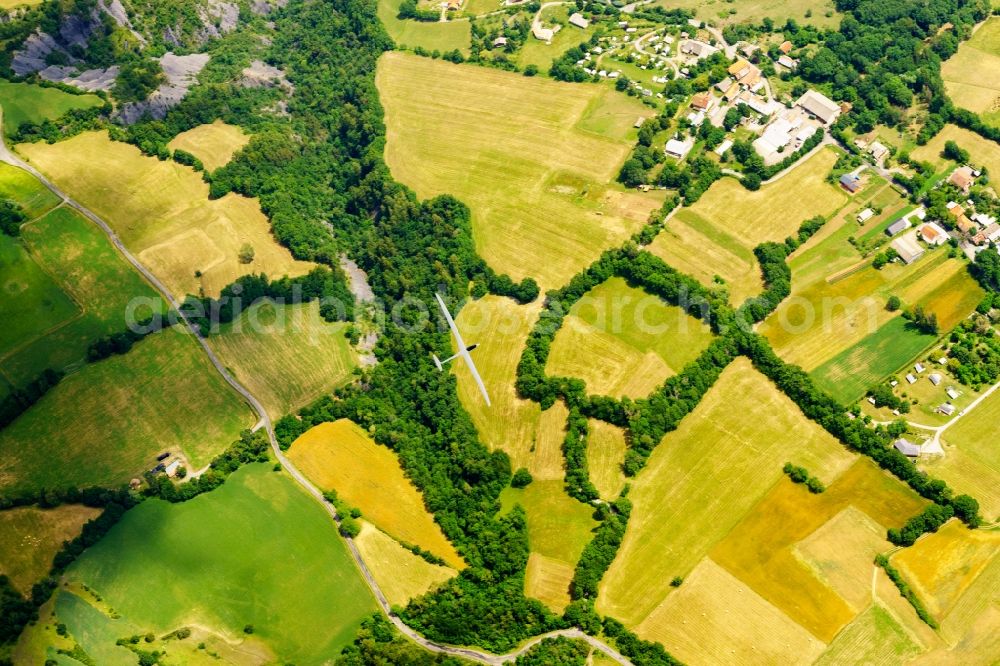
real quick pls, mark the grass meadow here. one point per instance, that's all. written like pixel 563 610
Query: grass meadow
pixel 286 355
pixel 399 573
pixel 98 280
pixel 30 537
pixel 538 53
pixel 162 213
pixel 433 36
pixel 983 151
pixel 214 144
pixel 873 637
pixel 683 500
pixel 267 554
pixel 340 456
pixel 28 102
pixel 622 341
pixel 716 235
pixel 606 448
pixel 106 423
pixel 970 76
pixel 533 158
pixel 972 458
pixel 24 189
pixel 752 11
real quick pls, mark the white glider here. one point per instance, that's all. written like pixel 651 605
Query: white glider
pixel 463 351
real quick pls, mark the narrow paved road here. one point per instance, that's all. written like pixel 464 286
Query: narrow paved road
pixel 265 422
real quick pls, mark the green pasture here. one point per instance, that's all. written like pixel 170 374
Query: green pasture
pixel 431 35
pixel 24 189
pixel 28 102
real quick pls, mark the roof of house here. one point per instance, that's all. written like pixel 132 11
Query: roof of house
pixel 724 85
pixel 723 147
pixel 578 20
pixel 932 233
pixel 677 147
pixel 866 214
pixel 543 34
pixel 739 68
pixel 702 100
pixel 962 177
pixel 850 181
pixel 786 61
pixel 898 226
pixel 785 47
pixel 947 409
pixel 906 447
pixel 819 105
pixel 908 248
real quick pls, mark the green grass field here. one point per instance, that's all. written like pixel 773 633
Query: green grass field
pixel 540 54
pixel 27 102
pixel 267 554
pixel 24 189
pixel 106 423
pixel 972 458
pixel 33 301
pixel 739 436
pixel 849 374
pixel 533 158
pixel 873 637
pixel 96 277
pixel 624 341
pixel 752 11
pixel 432 36
pixel 983 151
pixel 971 75
pixel 286 355
pixel 558 525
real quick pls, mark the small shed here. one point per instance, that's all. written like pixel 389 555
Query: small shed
pixel 865 215
pixel 935 378
pixel 952 393
pixel 850 182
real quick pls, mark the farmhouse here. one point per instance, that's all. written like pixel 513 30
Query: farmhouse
pixel 947 409
pixel 697 49
pixel 962 178
pixel 702 101
pixel 992 233
pixel 724 85
pixel 850 182
pixel 172 468
pixel 961 221
pixel 787 63
pixel 577 20
pixel 758 104
pixel 785 47
pixel 910 379
pixel 934 235
pixel 906 447
pixel 542 34
pixel 723 147
pixel 952 393
pixel 935 378
pixel 919 367
pixel 819 106
pixel 745 73
pixel 908 249
pixel 866 215
pixel 499 42
pixel 984 220
pixel 877 150
pixel 678 149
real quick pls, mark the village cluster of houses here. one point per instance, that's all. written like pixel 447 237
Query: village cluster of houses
pixel 903 445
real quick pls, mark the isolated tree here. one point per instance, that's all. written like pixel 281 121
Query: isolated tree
pixel 246 253
pixel 893 304
pixel 521 478
pixel 952 151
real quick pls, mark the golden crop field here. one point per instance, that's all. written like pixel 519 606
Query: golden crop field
pixel 942 566
pixel 286 355
pixel 970 76
pixel 760 550
pixel 683 504
pixel 983 151
pixel 971 463
pixel 106 423
pixel 162 213
pixel 716 236
pixel 623 341
pixel 547 579
pixel 30 537
pixel 534 159
pixel 214 144
pixel 340 456
pixel 399 573
pixel 605 455
pixel 714 618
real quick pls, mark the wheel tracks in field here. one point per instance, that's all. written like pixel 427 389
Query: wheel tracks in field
pixel 264 421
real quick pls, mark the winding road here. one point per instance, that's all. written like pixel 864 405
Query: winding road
pixel 264 421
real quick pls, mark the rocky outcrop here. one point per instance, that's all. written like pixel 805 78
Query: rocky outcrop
pixel 265 7
pixel 181 72
pixel 261 75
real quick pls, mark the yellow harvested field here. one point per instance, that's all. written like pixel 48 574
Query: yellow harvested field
pixel 547 579
pixel 340 456
pixel 874 638
pixel 401 574
pixel 683 502
pixel 501 327
pixel 605 455
pixel 716 236
pixel 841 553
pixel 534 159
pixel 970 75
pixel 887 594
pixel 31 537
pixel 286 355
pixel 623 341
pixel 547 456
pixel 942 566
pixel 162 213
pixel 213 144
pixel 983 151
pixel 713 618
pixel 760 550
